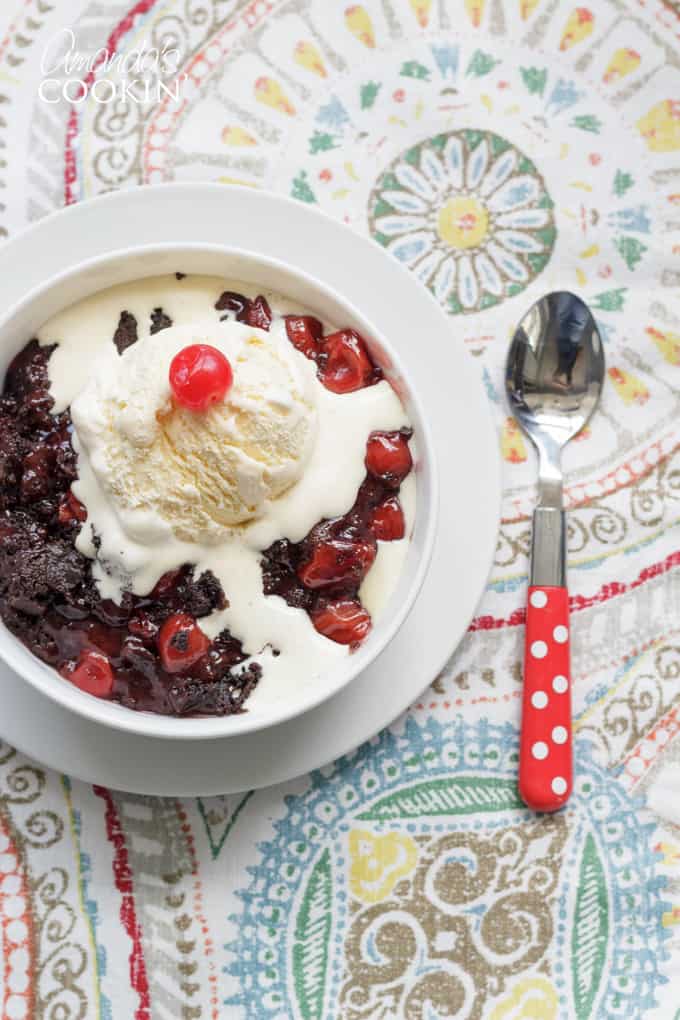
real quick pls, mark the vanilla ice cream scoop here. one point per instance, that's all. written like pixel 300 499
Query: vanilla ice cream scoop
pixel 198 472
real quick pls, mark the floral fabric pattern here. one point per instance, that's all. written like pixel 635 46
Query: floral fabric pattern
pixel 499 149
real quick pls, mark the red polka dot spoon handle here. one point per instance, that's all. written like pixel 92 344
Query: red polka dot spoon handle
pixel 545 755
pixel 553 379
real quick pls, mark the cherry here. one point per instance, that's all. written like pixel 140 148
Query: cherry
pixel 71 509
pixel 92 673
pixel 387 520
pixel 388 457
pixel 256 313
pixel 344 621
pixel 181 643
pixel 168 583
pixel 143 627
pixel 337 561
pixel 200 375
pixel 304 332
pixel 230 301
pixel 259 314
pixel 347 364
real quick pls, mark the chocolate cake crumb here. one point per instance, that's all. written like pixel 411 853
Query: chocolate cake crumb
pixel 180 276
pixel 159 321
pixel 126 332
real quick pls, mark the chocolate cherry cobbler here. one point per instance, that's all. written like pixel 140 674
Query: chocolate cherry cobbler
pixel 206 495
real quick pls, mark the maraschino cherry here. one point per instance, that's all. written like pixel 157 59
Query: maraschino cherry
pixel 200 375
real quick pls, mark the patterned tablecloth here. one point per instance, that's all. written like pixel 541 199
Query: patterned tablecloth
pixel 499 148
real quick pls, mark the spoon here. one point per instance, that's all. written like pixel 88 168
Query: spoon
pixel 553 377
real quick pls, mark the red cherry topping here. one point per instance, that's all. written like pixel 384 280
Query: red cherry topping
pixel 92 673
pixel 347 364
pixel 388 457
pixel 387 521
pixel 143 627
pixel 344 621
pixel 304 332
pixel 181 643
pixel 255 313
pixel 200 375
pixel 71 509
pixel 337 561
pixel 259 314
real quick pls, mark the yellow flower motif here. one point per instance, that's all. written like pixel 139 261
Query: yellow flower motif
pixel 421 9
pixel 475 11
pixel 660 127
pixel 378 862
pixel 530 999
pixel 359 23
pixel 234 135
pixel 622 63
pixel 631 389
pixel 307 55
pixel 269 92
pixel 526 8
pixel 580 24
pixel 463 222
pixel 668 343
pixel 513 446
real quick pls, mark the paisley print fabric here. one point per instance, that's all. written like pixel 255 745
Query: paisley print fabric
pixel 499 149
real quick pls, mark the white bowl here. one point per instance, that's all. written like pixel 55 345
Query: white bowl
pixel 84 279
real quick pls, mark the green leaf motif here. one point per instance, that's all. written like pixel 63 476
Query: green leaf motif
pixel 463 795
pixel 412 155
pixel 312 934
pixel 473 137
pixel 622 182
pixel 218 838
pixel 587 122
pixel 610 300
pixel 481 63
pixel 321 141
pixel 535 79
pixel 590 930
pixel 301 189
pixel 630 249
pixel 413 69
pixel 368 94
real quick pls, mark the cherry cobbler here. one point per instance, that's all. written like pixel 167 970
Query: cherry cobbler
pixel 200 488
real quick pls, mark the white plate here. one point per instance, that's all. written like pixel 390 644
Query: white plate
pixel 464 438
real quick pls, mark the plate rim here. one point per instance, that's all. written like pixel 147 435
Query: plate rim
pixel 153 199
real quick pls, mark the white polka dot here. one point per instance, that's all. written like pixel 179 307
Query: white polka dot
pixel 15 1008
pixel 647 750
pixel 539 649
pixel 540 750
pixel 561 634
pixel 539 699
pixel 11 884
pixel 560 684
pixel 17 981
pixel 14 906
pixel 636 766
pixel 662 736
pixel 559 735
pixel 559 785
pixel 538 599
pixel 17 931
pixel 19 959
pixel 4 842
pixel 8 862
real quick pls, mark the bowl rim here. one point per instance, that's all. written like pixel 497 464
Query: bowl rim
pixel 39 674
